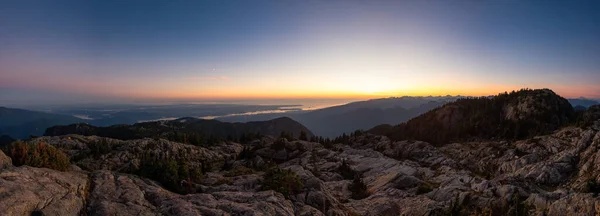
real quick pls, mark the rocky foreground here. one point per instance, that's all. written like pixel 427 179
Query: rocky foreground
pixel 555 174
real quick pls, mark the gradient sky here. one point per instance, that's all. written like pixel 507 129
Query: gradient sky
pixel 73 51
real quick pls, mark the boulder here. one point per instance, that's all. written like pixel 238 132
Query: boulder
pixel 5 161
pixel 24 190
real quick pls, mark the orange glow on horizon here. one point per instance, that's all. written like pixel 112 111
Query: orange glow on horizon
pixel 240 94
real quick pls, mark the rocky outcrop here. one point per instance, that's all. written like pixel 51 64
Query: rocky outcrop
pixel 554 174
pixel 5 161
pixel 122 155
pixel 591 117
pixel 24 190
pixel 121 194
pixel 536 104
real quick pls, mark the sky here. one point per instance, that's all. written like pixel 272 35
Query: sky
pixel 108 51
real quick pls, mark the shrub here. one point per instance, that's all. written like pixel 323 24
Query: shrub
pixel 249 137
pixel 357 133
pixel 37 155
pixel 187 137
pixel 346 171
pixel 424 188
pixel 288 136
pixel 300 147
pixel 246 153
pixel 358 188
pixel 238 171
pixel 222 181
pixel 279 144
pixel 100 148
pixel 303 136
pixel 282 181
pixel 592 186
pixel 352 213
pixel 174 175
pixel 314 160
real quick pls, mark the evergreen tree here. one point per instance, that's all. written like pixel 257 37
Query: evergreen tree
pixel 303 136
pixel 358 188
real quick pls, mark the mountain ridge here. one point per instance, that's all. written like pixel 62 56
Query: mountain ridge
pixel 327 122
pixel 514 115
pixel 186 128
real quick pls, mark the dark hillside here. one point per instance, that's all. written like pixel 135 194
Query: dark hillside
pixel 187 130
pixel 22 124
pixel 514 115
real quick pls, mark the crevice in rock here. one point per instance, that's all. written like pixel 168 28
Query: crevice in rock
pixel 90 185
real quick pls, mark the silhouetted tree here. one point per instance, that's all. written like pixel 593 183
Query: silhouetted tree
pixel 314 159
pixel 358 188
pixel 485 118
pixel 282 181
pixel 303 136
pixel 346 171
pixel 286 135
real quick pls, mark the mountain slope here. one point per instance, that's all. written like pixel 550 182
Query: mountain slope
pixel 520 114
pixel 16 117
pixel 584 102
pixel 20 123
pixel 185 128
pixel 334 121
pixel 361 115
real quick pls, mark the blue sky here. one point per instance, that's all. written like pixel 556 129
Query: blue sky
pixel 201 50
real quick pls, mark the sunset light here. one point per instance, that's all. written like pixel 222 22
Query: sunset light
pixel 299 107
pixel 359 50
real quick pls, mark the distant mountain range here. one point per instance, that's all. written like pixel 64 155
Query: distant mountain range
pixel 21 123
pixel 327 122
pixel 583 102
pixel 361 115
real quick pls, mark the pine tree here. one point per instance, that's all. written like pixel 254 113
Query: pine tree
pixel 303 136
pixel 358 188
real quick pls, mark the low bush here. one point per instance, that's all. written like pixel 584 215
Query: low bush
pixel 303 136
pixel 346 171
pixel 592 186
pixel 238 171
pixel 314 160
pixel 282 181
pixel 279 144
pixel 424 188
pixel 100 147
pixel 223 181
pixel 37 155
pixel 175 175
pixel 358 188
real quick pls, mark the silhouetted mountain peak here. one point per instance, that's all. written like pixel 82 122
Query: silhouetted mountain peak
pixel 512 115
pixel 531 104
pixel 284 119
